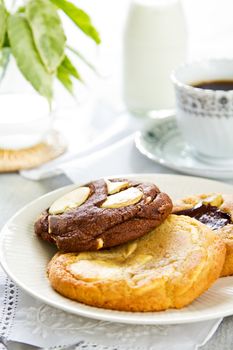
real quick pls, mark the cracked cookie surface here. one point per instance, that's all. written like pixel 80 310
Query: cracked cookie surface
pixel 166 268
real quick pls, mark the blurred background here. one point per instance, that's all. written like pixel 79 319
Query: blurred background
pixel 98 103
pixel 210 29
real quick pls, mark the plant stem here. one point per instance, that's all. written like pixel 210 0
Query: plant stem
pixel 90 65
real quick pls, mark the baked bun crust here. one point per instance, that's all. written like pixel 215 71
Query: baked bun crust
pixel 167 268
pixel 107 213
pixel 225 204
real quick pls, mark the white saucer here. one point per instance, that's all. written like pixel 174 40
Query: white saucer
pixel 162 142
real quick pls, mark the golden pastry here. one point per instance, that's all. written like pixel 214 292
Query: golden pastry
pixel 167 268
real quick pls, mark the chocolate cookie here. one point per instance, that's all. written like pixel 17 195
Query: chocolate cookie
pixel 102 214
pixel 215 211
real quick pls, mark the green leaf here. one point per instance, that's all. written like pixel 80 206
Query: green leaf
pixel 3 23
pixel 4 60
pixel 70 68
pixel 6 42
pixel 79 17
pixel 64 73
pixel 47 30
pixel 64 78
pixel 21 9
pixel 27 58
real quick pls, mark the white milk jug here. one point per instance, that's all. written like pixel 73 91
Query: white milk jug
pixel 155 42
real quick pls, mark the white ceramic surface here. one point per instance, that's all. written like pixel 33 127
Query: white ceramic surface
pixel 24 258
pixel 162 142
pixel 205 117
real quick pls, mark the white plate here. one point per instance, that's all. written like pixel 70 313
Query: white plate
pixel 24 258
pixel 162 142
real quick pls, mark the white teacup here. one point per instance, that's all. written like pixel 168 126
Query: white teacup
pixel 205 117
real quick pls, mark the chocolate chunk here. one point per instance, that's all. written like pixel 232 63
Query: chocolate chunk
pixel 209 215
